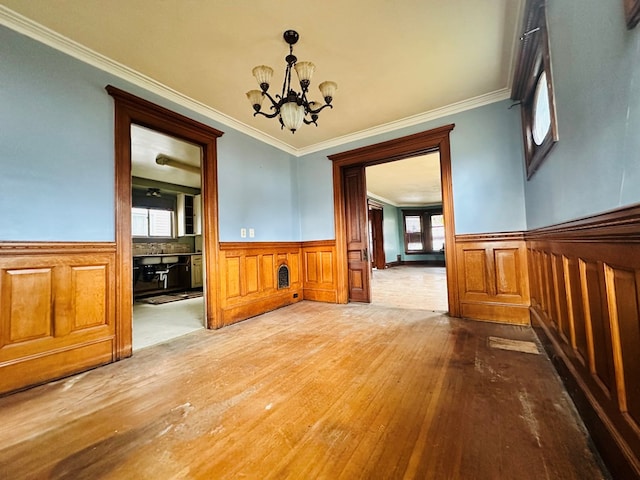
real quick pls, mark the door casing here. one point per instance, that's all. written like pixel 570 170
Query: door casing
pixel 129 110
pixel 422 143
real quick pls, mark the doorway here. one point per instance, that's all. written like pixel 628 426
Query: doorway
pixel 350 209
pixel 167 229
pixel 406 233
pixel 131 110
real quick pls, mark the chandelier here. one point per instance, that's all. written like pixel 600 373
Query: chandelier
pixel 291 108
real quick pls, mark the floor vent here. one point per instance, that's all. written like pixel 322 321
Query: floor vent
pixel 513 345
pixel 283 276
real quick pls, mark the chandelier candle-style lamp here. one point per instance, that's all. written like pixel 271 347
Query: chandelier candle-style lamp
pixel 291 108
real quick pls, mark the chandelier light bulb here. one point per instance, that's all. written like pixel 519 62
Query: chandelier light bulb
pixel 292 108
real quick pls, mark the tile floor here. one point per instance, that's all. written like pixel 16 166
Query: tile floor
pixel 153 324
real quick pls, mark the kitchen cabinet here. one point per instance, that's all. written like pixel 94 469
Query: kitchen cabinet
pixel 196 271
pixel 197 211
pixel 189 214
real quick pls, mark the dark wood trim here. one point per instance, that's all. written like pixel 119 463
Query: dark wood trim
pixel 129 110
pixel 489 237
pixel 393 264
pixel 47 248
pixel 436 139
pixel 632 12
pixel 618 225
pixel 534 59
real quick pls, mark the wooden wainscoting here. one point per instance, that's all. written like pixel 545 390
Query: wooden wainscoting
pixel 492 277
pixel 249 278
pixel 585 296
pixel 319 271
pixel 57 304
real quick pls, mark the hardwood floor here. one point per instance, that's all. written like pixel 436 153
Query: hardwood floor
pixel 420 287
pixel 306 392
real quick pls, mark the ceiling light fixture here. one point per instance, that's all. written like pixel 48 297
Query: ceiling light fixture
pixel 168 161
pixel 291 108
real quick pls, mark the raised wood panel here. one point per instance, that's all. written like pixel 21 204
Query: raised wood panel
pixel 597 324
pixel 319 271
pixel 493 280
pixel 90 298
pixel 560 298
pixel 57 304
pixel 26 305
pixel 311 267
pixel 268 272
pixel 575 309
pixel 232 276
pixel 586 304
pixel 251 273
pixel 508 271
pixel 625 323
pixel 474 263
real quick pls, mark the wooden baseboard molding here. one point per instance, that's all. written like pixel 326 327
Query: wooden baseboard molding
pixel 496 312
pixel 231 315
pixel 611 445
pixel 393 264
pixel 54 365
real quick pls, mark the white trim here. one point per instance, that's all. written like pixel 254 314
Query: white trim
pixel 434 114
pixel 42 34
pixel 381 198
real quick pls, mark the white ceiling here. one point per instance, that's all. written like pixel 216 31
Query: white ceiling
pixel 396 62
pixel 147 144
pixel 409 182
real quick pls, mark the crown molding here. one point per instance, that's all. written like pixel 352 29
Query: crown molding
pixel 42 34
pixel 380 198
pixel 434 114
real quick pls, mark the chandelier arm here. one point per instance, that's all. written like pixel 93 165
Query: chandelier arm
pixel 271 99
pixel 272 115
pixel 321 108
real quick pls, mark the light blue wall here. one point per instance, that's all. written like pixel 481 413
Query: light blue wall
pixel 315 198
pixel 56 146
pixel 57 155
pixel 487 173
pixel 595 166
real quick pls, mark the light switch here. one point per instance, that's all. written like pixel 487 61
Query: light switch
pixel 243 233
pixel 252 233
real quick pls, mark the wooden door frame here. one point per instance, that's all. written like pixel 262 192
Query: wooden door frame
pixel 129 110
pixel 433 140
pixel 376 226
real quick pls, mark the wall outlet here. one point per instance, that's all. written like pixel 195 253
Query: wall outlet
pixel 252 233
pixel 243 233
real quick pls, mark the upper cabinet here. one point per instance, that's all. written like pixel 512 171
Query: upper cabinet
pixel 189 214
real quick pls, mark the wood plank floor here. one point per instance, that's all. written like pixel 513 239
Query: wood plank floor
pixel 310 391
pixel 407 286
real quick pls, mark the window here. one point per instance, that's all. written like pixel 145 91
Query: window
pixel 533 87
pixel 423 231
pixel 151 222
